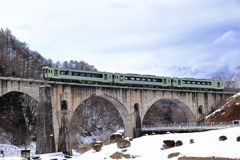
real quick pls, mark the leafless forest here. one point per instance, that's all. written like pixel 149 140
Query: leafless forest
pixel 95 116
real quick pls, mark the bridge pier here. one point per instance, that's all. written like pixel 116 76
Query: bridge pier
pixel 45 131
pixel 138 127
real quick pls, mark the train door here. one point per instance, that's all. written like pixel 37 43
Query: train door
pixel 165 81
pixel 105 77
pixel 121 78
pixel 179 82
pixel 55 72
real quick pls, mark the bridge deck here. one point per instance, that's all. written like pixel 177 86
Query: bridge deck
pixel 113 86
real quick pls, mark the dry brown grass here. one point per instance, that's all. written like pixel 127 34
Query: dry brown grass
pixel 84 149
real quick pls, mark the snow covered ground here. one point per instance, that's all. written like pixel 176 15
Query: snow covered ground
pixel 206 144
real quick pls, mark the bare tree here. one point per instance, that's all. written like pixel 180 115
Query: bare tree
pixel 231 81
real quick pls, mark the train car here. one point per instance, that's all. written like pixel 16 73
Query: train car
pixel 63 74
pixel 141 80
pixel 82 76
pixel 203 84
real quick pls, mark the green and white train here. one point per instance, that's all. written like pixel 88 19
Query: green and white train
pixel 82 76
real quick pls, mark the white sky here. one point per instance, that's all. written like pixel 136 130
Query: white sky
pixel 183 38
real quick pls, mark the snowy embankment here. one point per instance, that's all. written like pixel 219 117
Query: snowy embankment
pixel 206 144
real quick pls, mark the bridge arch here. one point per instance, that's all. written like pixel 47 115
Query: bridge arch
pixel 186 110
pixel 21 92
pixel 128 127
pixel 31 91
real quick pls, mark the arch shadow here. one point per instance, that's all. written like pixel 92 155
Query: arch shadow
pixel 186 110
pixel 128 128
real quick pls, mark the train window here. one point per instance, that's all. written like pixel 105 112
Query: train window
pixel 63 72
pixel 138 79
pixel 88 75
pixel 110 76
pixel 183 82
pixel 154 80
pixel 126 78
pixel 82 74
pixel 99 75
pixel 149 79
pixel 132 78
pixel 93 75
pixel 143 79
pixel 75 73
pixel 159 80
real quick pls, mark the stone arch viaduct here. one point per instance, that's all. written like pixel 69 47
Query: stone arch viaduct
pixel 125 99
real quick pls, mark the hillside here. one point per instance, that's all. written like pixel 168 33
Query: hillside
pixel 228 112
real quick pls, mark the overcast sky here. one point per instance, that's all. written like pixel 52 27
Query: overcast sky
pixel 184 38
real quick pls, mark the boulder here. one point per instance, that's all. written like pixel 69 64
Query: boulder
pixel 191 141
pixel 115 137
pixel 97 145
pixel 169 143
pixel 173 155
pixel 179 143
pixel 238 139
pixel 123 143
pixel 222 138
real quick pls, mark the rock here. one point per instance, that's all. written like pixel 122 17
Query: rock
pixel 179 143
pixel 127 156
pixel 173 155
pixel 116 155
pixel 222 138
pixel 97 145
pixel 169 143
pixel 191 141
pixel 238 139
pixel 123 143
pixel 115 137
